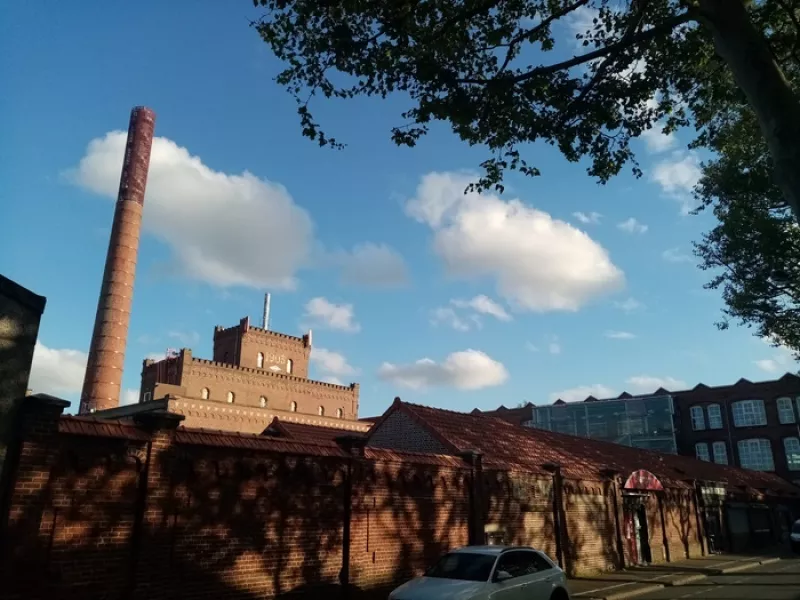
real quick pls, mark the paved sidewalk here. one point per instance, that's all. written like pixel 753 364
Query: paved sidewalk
pixel 619 585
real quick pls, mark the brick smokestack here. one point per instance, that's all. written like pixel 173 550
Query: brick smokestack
pixel 103 379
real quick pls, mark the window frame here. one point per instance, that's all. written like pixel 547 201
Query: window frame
pixel 205 393
pixel 718 409
pixel 260 360
pixel 714 453
pixel 748 441
pixel 792 465
pixel 262 401
pixel 339 413
pixel 749 402
pixel 693 411
pixel 697 454
pixel 783 410
pixel 230 397
pixel 293 406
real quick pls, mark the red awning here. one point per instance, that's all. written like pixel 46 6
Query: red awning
pixel 643 480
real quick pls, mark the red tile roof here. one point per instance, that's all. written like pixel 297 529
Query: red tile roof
pixel 507 446
pixel 228 439
pixel 314 434
pixel 97 427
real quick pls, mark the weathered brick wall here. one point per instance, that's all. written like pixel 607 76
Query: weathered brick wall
pixel 399 432
pixel 519 509
pixel 591 527
pixel 406 513
pixel 681 523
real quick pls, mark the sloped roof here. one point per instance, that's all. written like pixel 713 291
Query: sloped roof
pixel 508 446
pixel 312 434
pixel 99 427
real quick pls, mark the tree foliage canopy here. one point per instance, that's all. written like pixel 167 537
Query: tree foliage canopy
pixel 505 73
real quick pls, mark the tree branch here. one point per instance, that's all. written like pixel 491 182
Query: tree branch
pixel 645 36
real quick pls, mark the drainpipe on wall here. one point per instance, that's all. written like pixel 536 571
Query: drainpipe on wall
pixel 697 500
pixel 664 538
pixel 612 479
pixel 354 448
pixel 475 526
pixel 559 524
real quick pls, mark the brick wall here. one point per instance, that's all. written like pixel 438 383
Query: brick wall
pixel 248 386
pixel 399 432
pixel 241 344
pixel 114 510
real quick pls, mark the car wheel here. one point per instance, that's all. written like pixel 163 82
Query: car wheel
pixel 559 594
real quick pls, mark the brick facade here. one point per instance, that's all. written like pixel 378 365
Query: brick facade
pixel 146 509
pixel 233 392
pixel 725 397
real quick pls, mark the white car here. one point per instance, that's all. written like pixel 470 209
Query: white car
pixel 488 572
pixel 794 536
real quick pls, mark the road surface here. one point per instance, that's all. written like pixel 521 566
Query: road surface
pixel 776 581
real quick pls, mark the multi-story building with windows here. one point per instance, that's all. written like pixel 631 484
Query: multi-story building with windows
pixel 754 425
pixel 256 375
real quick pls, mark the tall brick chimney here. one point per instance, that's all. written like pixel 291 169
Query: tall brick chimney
pixel 103 379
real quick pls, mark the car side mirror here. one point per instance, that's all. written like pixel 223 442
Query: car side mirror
pixel 501 576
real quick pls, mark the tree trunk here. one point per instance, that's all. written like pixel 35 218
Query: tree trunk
pixel 768 92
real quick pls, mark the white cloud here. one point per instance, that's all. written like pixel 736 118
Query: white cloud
pixel 156 356
pixel 332 363
pixel 372 265
pixel 485 306
pixel 554 347
pixel 130 396
pixel 678 177
pixel 224 229
pixel 657 141
pixel 632 226
pixel 587 218
pixel 320 312
pixel 465 370
pixel 58 372
pixel 531 347
pixel 628 305
pixel 620 335
pixel 539 263
pixel 579 21
pixel 581 392
pixel 333 380
pixel 644 384
pixel 447 316
pixel 782 360
pixel 675 255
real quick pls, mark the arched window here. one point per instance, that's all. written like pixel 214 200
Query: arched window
pixel 339 413
pixel 260 360
pixel 698 418
pixel 289 366
pixel 204 393
pixel 714 416
pixel 749 413
pixel 756 454
pixel 720 453
pixel 231 397
pixel 262 402
pixel 321 411
pixel 293 406
pixel 701 451
pixel 791 446
pixel 785 411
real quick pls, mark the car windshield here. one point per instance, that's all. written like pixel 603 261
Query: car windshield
pixel 468 566
pixel 796 527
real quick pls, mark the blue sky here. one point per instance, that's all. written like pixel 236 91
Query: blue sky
pixel 525 297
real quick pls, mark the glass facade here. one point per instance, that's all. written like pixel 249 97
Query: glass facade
pixel 637 422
